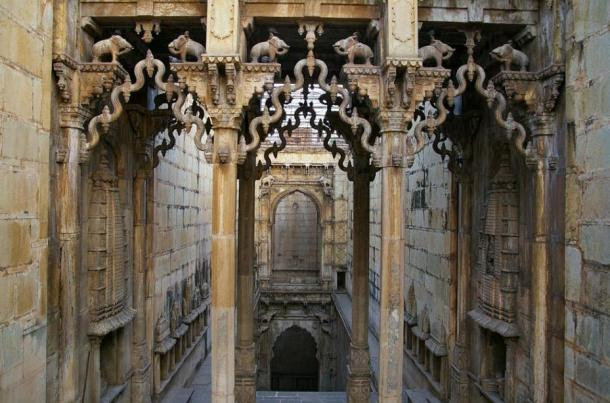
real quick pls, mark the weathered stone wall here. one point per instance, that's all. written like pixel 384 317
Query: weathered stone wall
pixel 25 103
pixel 428 259
pixel 181 224
pixel 587 256
pixel 296 234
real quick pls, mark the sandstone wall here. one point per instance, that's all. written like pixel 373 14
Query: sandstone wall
pixel 25 93
pixel 587 256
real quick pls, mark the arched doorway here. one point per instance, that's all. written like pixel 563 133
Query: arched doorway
pixel 296 238
pixel 294 366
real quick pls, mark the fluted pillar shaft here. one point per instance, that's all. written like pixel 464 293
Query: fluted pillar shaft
pixel 359 375
pixel 224 268
pixel 391 330
pixel 245 377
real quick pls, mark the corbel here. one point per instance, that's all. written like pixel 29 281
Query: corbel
pixel 364 81
pixel 538 91
pixel 65 67
pixel 97 79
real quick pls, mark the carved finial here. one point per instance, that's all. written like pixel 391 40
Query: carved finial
pixel 491 93
pixel 147 28
pixel 105 119
pixel 150 65
pixel 126 88
pixel 450 93
pixel 266 119
pixel 287 89
pixel 334 89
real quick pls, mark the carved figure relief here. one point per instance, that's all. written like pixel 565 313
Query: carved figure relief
pixel 354 50
pixel 509 56
pixel 268 51
pixel 184 46
pixel 107 244
pixel 114 46
pixel 437 51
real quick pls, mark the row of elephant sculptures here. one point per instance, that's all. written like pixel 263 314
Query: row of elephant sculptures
pixel 268 51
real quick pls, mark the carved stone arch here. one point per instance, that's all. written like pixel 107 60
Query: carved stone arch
pixel 288 325
pixel 278 198
pixel 423 321
pixel 289 253
pixel 295 357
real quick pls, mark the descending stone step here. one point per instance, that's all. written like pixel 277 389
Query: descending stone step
pixel 179 395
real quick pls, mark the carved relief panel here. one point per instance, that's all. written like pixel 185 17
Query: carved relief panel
pixel 107 243
pixel 498 263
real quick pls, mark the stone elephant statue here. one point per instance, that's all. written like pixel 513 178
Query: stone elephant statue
pixel 437 51
pixel 269 50
pixel 115 46
pixel 354 49
pixel 509 56
pixel 184 46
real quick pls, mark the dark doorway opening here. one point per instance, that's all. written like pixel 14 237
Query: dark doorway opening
pixel 294 366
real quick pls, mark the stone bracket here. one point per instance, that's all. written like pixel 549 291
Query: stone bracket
pixel 81 83
pixel 538 91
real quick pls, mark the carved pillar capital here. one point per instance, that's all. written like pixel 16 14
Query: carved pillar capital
pixel 226 117
pixel 73 116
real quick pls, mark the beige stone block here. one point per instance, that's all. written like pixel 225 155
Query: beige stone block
pixel 7 294
pixel 26 294
pixel 20 140
pixel 21 46
pixel 16 92
pixel 26 13
pixel 15 242
pixel 18 195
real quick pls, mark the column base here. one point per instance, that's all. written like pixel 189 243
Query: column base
pixel 358 388
pixel 245 374
pixel 245 388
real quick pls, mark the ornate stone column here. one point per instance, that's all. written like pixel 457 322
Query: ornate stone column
pixel 459 392
pixel 538 93
pixel 245 376
pixel 94 378
pixel 393 135
pixel 359 375
pixel 141 388
pixel 226 123
pixel 70 153
pixel 539 163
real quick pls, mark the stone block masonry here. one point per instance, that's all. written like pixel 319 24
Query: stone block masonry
pixel 25 82
pixel 587 260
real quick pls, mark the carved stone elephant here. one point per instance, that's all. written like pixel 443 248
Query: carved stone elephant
pixel 269 50
pixel 437 50
pixel 184 46
pixel 354 49
pixel 115 46
pixel 509 56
